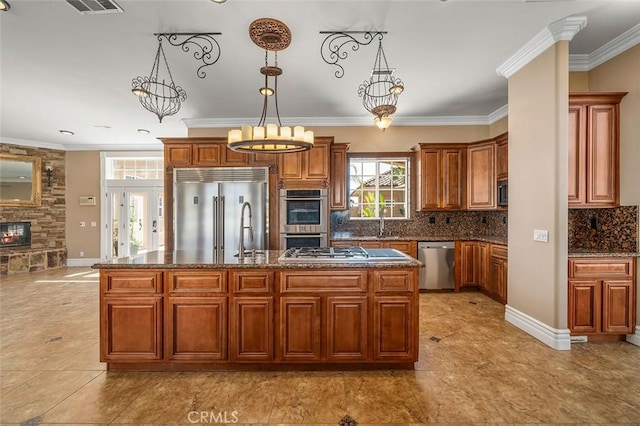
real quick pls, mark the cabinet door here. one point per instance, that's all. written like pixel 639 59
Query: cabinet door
pixel 602 155
pixel 502 157
pixel 262 159
pixel 468 270
pixel 481 181
pixel 577 155
pixel 501 287
pixel 370 244
pixel 394 328
pixel 233 158
pixel 408 247
pixel 131 329
pixel 177 155
pixel 618 299
pixel 207 154
pixel 346 337
pixel 300 328
pixel 290 166
pixel 452 179
pixel 197 328
pixel 338 167
pixel 482 264
pixel 430 179
pixel 316 162
pixel 495 275
pixel 584 306
pixel 251 329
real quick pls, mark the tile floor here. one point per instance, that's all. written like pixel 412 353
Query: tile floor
pixel 473 368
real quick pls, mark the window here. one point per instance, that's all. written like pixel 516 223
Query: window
pixel 135 168
pixel 378 187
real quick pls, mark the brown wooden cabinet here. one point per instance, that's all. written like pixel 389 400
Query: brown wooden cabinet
pixel 300 332
pixel 481 176
pixel 390 341
pixel 441 176
pixel 594 145
pixel 251 329
pixel 502 157
pixel 347 328
pixel 482 265
pixel 409 247
pixel 339 182
pixel 602 296
pixel 306 169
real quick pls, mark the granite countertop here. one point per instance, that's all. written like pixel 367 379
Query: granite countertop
pixel 207 260
pixel 349 236
pixel 599 253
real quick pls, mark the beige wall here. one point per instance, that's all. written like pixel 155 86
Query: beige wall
pixel 394 139
pixel 83 179
pixel 538 104
pixel 578 81
pixel 621 74
pixel 499 127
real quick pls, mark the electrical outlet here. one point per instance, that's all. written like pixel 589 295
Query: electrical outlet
pixel 541 235
pixel 94 224
pixel 432 219
pixel 81 254
pixel 83 224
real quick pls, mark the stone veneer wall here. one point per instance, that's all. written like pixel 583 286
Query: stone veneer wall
pixel 48 244
pixel 461 224
pixel 616 229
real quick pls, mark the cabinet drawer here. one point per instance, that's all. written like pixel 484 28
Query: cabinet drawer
pixel 499 251
pixel 197 282
pixel 387 281
pixel 594 267
pixel 252 281
pixel 312 281
pixel 131 281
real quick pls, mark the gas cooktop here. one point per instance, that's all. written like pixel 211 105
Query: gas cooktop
pixel 346 254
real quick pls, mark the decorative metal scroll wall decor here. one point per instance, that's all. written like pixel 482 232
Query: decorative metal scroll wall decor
pixel 206 47
pixel 157 92
pixel 335 45
pixel 380 92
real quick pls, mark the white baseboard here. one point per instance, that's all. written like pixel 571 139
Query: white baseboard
pixel 634 338
pixel 83 261
pixel 559 339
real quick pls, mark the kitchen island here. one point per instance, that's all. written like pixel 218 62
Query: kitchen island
pixel 198 311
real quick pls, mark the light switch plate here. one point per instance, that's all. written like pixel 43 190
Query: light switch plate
pixel 541 235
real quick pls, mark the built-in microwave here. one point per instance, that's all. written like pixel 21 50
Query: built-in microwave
pixel 503 193
pixel 303 211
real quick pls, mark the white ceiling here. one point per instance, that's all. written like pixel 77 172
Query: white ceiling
pixel 64 70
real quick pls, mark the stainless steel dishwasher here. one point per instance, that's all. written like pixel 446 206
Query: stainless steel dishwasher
pixel 439 265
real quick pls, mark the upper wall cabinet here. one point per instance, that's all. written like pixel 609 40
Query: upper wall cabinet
pixel 306 169
pixel 210 152
pixel 594 149
pixel 502 157
pixel 481 176
pixel 338 190
pixel 441 176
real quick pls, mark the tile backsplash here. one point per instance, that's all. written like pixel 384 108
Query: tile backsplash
pixel 461 224
pixel 611 229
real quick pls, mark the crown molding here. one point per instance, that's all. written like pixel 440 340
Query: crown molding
pixel 156 146
pixel 498 114
pixel 34 144
pixel 613 48
pixel 564 29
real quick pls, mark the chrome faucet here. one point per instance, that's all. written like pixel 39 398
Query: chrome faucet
pixel 242 228
pixel 381 227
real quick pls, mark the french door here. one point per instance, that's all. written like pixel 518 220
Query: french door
pixel 135 221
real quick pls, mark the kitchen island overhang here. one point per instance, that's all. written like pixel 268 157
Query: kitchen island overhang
pixel 184 311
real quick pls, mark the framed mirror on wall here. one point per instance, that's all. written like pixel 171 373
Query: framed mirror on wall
pixel 20 180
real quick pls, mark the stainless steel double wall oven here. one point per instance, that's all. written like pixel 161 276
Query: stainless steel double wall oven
pixel 303 218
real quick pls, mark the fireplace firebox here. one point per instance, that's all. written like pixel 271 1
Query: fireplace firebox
pixel 15 234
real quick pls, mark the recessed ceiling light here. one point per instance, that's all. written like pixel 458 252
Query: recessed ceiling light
pixel 67 132
pixel 4 5
pixel 219 1
pixel 102 126
pixel 144 131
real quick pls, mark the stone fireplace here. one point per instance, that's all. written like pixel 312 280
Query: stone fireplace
pixel 15 234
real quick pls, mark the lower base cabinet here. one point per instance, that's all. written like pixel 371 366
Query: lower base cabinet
pixel 602 296
pixel 201 319
pixel 482 265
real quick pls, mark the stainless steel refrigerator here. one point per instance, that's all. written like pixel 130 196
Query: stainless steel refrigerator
pixel 208 204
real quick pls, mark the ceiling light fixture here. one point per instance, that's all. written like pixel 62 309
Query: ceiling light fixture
pixel 380 93
pixel 144 131
pixel 67 132
pixel 4 5
pixel 272 36
pixel 156 93
pixel 219 1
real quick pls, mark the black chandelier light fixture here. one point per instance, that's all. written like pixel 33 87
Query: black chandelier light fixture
pixel 380 92
pixel 272 36
pixel 157 92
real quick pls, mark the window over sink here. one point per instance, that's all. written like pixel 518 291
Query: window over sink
pixel 378 187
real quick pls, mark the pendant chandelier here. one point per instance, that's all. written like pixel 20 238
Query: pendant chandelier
pixel 380 93
pixel 272 36
pixel 156 93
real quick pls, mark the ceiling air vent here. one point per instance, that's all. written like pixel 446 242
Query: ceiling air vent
pixel 91 7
